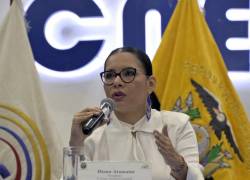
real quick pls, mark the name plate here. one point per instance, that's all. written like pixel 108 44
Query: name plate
pixel 108 170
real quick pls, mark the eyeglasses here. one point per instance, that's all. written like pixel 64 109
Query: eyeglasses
pixel 127 75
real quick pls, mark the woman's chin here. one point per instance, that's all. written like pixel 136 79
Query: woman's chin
pixel 121 108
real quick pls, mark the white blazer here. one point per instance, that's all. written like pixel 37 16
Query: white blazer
pixel 120 141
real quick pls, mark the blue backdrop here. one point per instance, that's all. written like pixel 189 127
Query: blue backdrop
pixel 133 30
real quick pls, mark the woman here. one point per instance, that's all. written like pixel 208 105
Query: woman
pixel 135 131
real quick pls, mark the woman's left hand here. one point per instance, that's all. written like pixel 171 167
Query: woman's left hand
pixel 171 157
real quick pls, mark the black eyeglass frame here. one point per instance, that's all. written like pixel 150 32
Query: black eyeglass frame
pixel 118 74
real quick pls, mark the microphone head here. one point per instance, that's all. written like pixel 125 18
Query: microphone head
pixel 108 102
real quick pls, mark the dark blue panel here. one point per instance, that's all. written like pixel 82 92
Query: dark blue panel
pixel 134 19
pixel 223 29
pixel 133 29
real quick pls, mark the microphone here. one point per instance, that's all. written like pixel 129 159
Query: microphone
pixel 107 105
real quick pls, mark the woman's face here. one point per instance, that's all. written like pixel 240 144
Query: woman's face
pixel 128 96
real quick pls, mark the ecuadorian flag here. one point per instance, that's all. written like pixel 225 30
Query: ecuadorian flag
pixel 192 78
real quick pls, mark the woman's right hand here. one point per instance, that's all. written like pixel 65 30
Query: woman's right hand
pixel 77 137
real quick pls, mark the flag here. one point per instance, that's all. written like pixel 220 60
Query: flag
pixel 192 78
pixel 29 146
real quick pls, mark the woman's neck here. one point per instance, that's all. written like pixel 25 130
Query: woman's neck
pixel 130 117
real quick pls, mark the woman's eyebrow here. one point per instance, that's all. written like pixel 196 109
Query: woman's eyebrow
pixel 109 70
pixel 112 69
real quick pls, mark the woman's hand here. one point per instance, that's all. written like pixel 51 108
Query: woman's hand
pixel 77 137
pixel 172 158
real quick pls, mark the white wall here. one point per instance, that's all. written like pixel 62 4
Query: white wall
pixel 66 97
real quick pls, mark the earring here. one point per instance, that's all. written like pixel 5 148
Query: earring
pixel 148 110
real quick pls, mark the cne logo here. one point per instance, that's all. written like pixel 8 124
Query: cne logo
pixel 72 39
pixel 24 144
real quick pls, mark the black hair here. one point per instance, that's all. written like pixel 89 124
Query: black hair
pixel 155 103
pixel 141 56
pixel 145 61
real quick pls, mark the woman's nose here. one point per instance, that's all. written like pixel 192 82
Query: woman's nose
pixel 117 80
